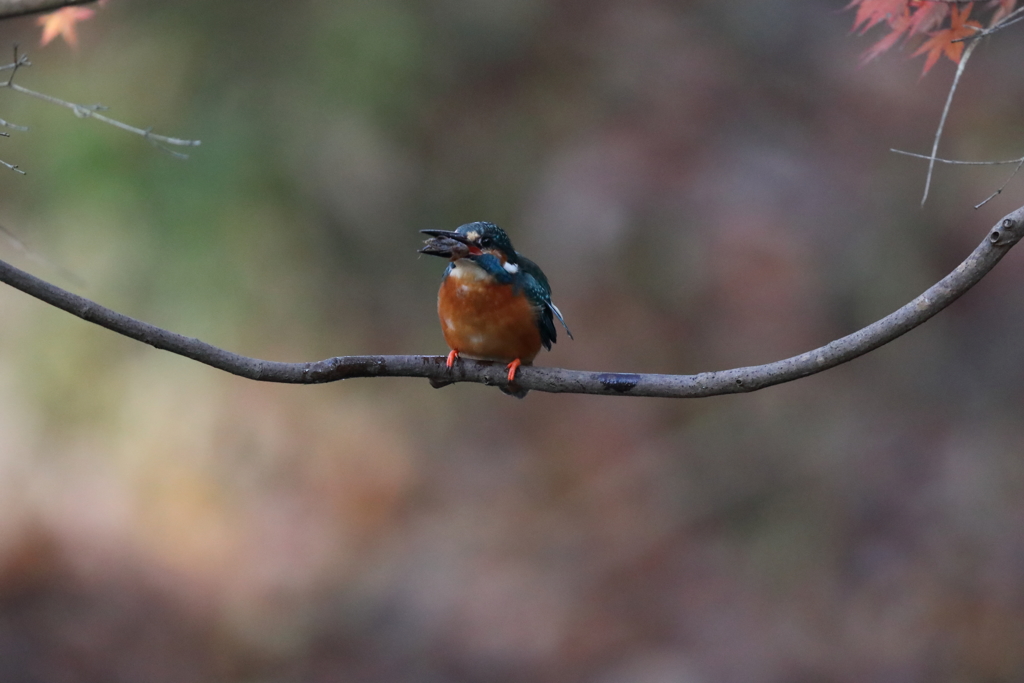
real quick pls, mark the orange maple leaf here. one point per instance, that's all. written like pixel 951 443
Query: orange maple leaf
pixel 927 16
pixel 941 41
pixel 871 12
pixel 62 23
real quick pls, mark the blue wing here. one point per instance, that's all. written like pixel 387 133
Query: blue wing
pixel 538 291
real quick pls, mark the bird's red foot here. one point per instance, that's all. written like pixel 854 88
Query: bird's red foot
pixel 451 358
pixel 512 367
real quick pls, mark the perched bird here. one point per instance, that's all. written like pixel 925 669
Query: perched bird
pixel 494 303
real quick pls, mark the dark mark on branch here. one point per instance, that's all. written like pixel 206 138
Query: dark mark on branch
pixel 618 382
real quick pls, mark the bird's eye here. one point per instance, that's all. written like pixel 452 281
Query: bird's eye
pixel 485 241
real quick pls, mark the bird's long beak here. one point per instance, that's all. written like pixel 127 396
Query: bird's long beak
pixel 450 234
pixel 448 244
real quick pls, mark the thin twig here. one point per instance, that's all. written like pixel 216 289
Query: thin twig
pixel 8 124
pixel 942 121
pixel 13 167
pixel 1019 162
pixel 955 161
pixel 13 67
pixel 87 111
pixel 19 61
pixel 996 244
pixel 1001 187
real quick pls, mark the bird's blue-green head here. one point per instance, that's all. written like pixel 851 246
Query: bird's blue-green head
pixel 471 240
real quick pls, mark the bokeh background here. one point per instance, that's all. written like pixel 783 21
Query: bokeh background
pixel 708 185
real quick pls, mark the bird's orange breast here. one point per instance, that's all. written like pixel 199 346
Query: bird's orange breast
pixel 486 320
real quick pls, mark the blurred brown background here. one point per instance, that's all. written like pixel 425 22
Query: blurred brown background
pixel 708 184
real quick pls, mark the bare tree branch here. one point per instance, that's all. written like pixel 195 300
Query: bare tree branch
pixel 555 380
pixel 16 8
pixel 942 121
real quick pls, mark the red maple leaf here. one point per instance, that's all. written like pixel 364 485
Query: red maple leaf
pixel 905 18
pixel 941 42
pixel 871 12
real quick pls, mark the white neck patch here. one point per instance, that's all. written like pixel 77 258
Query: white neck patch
pixel 466 269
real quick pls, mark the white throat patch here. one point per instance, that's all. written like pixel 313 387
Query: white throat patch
pixel 466 269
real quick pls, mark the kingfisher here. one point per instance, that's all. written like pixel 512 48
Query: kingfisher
pixel 494 303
